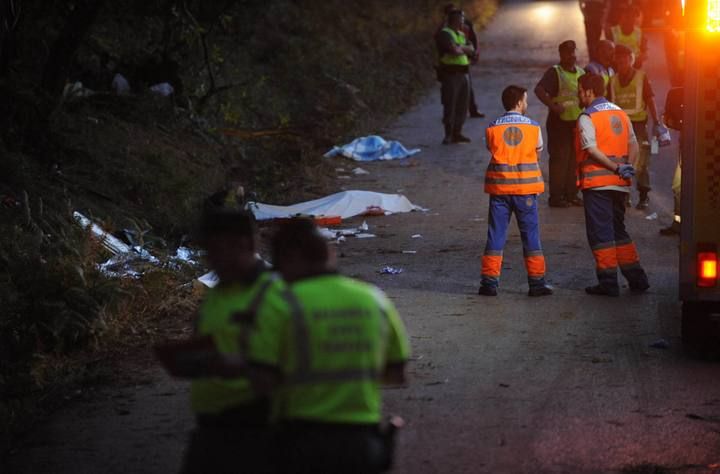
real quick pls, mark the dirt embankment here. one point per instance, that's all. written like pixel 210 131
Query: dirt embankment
pixel 261 88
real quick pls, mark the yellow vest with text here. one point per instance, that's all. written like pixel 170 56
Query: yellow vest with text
pixel 458 38
pixel 568 92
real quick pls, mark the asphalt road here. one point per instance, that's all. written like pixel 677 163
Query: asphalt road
pixel 567 383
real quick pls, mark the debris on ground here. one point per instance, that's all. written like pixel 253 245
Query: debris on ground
pixel 387 270
pixel 163 89
pixel 372 148
pixel 340 234
pixel 344 204
pixel 416 236
pixel 359 172
pixel 410 251
pixel 652 216
pixel 660 344
pixel 120 85
pixel 365 236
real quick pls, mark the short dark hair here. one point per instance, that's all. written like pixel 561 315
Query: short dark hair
pixel 593 82
pixel 567 45
pixel 454 13
pixel 299 237
pixel 512 95
pixel 227 221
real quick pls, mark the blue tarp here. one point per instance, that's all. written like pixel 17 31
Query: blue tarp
pixel 372 148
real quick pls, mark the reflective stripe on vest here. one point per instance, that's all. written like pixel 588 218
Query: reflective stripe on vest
pixel 568 92
pixel 304 372
pixel 459 40
pixel 612 132
pixel 513 169
pixel 632 41
pixel 630 97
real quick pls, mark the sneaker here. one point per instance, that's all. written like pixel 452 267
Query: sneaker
pixel 487 291
pixel 540 291
pixel 672 229
pixel 460 138
pixel 643 203
pixel 602 291
pixel 639 287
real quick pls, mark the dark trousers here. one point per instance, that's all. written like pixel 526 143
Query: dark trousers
pixel 593 15
pixel 228 450
pixel 472 105
pixel 501 209
pixel 561 146
pixel 455 95
pixel 313 448
pixel 642 166
pixel 611 245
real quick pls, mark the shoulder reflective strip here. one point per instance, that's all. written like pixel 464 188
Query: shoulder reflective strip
pixel 333 376
pixel 536 179
pixel 603 245
pixel 251 313
pixel 301 335
pixel 513 168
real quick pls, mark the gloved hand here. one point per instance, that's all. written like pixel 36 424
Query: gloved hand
pixel 662 134
pixel 625 171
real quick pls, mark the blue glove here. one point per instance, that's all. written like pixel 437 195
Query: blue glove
pixel 625 171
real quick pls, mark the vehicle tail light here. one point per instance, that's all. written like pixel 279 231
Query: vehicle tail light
pixel 707 268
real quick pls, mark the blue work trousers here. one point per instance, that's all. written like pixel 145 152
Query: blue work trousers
pixel 610 242
pixel 500 210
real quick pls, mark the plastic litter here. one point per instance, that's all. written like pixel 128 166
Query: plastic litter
pixel 359 172
pixel 652 216
pixel 340 234
pixel 660 344
pixel 164 89
pixel 365 236
pixel 416 236
pixel 120 85
pixel 410 251
pixel 111 243
pixel 345 204
pixel 390 271
pixel 372 148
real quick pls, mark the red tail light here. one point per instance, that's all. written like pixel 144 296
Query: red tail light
pixel 707 269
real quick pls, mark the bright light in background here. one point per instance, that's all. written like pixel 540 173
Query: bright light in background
pixel 545 14
pixel 713 18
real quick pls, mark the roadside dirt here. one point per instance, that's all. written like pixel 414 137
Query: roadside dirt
pixel 566 383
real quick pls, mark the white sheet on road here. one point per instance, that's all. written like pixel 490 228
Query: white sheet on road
pixel 372 148
pixel 345 204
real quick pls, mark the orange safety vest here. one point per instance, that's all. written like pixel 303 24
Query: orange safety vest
pixel 612 131
pixel 513 169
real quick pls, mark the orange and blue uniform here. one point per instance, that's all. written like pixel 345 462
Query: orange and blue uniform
pixel 513 179
pixel 604 192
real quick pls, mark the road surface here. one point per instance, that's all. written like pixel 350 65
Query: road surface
pixel 567 383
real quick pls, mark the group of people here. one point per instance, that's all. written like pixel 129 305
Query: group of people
pixel 598 141
pixel 286 365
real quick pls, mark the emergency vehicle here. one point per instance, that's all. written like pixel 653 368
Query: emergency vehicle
pixel 700 202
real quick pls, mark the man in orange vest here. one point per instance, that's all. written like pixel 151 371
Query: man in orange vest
pixel 513 180
pixel 606 148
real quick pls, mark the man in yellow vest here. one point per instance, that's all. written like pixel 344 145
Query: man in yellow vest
pixel 607 147
pixel 629 34
pixel 342 338
pixel 453 72
pixel 231 433
pixel 602 65
pixel 558 91
pixel 630 89
pixel 514 181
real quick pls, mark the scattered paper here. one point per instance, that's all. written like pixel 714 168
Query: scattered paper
pixel 390 271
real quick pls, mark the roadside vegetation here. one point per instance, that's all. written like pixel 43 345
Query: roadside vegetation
pixel 261 90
